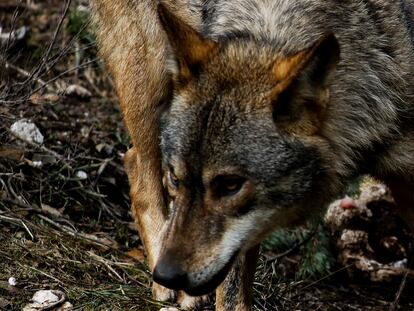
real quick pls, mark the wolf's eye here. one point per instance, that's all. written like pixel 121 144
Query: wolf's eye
pixel 228 185
pixel 174 181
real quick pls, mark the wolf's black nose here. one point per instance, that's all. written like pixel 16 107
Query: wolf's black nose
pixel 169 274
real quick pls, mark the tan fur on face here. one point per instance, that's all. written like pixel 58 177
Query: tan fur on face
pixel 189 47
pixel 287 68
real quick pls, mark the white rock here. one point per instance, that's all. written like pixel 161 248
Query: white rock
pixel 81 175
pixel 402 264
pixel 45 296
pixel 48 300
pixel 12 281
pixel 17 34
pixel 37 164
pixel 66 306
pixel 27 131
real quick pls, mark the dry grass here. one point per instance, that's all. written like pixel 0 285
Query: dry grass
pixel 92 277
pixel 57 230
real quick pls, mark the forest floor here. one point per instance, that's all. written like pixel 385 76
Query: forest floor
pixel 64 207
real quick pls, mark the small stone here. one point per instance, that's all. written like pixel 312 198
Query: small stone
pixel 401 264
pixel 27 131
pixel 81 175
pixel 45 296
pixel 12 281
pixel 37 164
pixel 48 300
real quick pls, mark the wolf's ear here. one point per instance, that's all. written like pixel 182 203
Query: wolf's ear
pixel 300 103
pixel 190 49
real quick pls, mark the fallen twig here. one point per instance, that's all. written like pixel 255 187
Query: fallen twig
pixel 107 264
pixel 300 291
pixel 84 236
pixel 44 149
pixel 43 273
pixel 394 305
pixel 13 4
pixel 36 72
pixel 295 247
pixel 23 72
pixel 17 221
pixel 62 74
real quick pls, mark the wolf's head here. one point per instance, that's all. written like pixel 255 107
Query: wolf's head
pixel 243 150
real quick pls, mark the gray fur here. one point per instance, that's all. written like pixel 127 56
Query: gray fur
pixel 225 122
pixel 372 91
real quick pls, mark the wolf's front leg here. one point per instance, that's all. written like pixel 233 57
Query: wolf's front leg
pixel 133 45
pixel 148 209
pixel 235 293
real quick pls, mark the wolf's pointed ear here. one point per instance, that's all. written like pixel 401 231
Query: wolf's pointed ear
pixel 322 62
pixel 190 49
pixel 303 92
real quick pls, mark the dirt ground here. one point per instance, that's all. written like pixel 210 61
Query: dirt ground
pixel 64 206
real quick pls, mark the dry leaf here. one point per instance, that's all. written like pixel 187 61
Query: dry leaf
pixel 48 98
pixel 11 153
pixel 137 254
pixel 103 239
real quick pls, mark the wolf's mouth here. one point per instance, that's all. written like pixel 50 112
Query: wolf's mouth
pixel 214 282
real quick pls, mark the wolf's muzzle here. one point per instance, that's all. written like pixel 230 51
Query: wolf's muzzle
pixel 170 275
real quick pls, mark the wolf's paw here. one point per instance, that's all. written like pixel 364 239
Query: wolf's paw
pixel 184 301
pixel 162 293
pixel 187 302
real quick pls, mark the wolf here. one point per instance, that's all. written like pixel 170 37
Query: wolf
pixel 250 115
